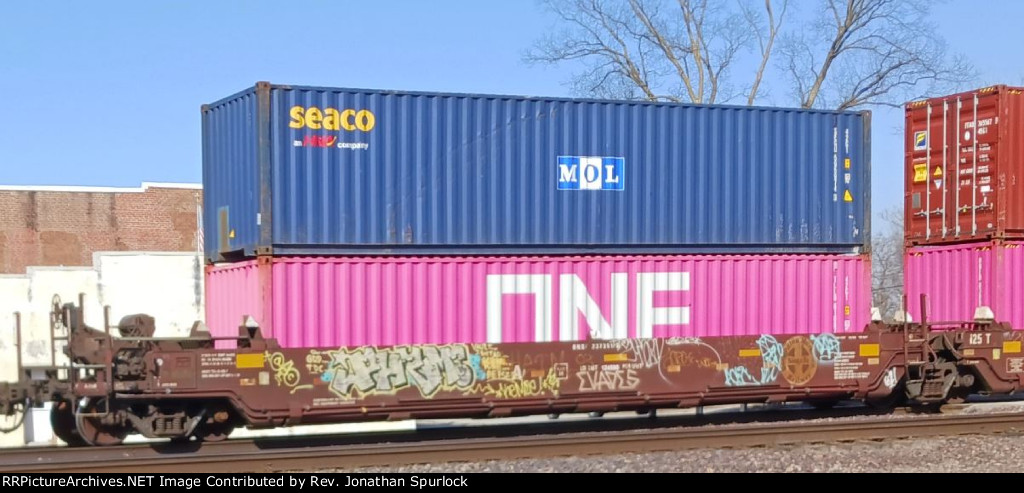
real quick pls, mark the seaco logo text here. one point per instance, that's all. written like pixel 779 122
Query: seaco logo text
pixel 331 119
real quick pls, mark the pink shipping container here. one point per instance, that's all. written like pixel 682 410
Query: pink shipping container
pixel 959 278
pixel 347 301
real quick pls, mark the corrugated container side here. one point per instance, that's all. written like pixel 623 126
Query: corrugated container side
pixel 965 167
pixel 339 301
pixel 231 172
pixel 237 287
pixel 373 172
pixel 959 278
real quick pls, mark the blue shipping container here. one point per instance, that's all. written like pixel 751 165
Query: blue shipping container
pixel 307 170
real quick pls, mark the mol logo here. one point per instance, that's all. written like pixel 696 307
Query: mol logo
pixel 591 173
pixel 331 119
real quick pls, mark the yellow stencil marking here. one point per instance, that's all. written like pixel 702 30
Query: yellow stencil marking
pixel 250 360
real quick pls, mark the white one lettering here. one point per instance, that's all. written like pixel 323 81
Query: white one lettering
pixel 575 300
pixel 539 285
pixel 646 314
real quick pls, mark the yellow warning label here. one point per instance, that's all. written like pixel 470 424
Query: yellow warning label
pixel 251 360
pixel 938 171
pixel 231 234
pixel 846 310
pixel 1011 346
pixel 920 173
pixel 869 349
pixel 612 358
pixel 995 353
pixel 847 197
pixel 750 353
pixel 846 163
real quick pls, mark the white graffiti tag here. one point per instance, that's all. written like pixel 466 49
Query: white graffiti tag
pixel 368 371
pixel 890 378
pixel 645 351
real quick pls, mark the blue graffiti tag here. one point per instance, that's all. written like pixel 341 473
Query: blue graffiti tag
pixel 738 376
pixel 826 347
pixel 474 363
pixel 771 354
pixel 771 364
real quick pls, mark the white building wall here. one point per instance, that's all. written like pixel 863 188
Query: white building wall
pixel 168 287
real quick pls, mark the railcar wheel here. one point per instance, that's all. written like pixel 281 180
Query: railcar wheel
pixel 99 430
pixel 216 433
pixel 62 420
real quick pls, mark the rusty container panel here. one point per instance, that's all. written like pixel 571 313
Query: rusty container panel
pixel 333 384
pixel 957 279
pixel 964 167
pixel 291 170
pixel 353 301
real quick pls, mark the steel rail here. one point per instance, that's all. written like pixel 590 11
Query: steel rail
pixel 261 456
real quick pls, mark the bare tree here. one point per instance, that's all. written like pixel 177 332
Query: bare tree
pixel 767 30
pixel 653 50
pixel 879 52
pixel 887 263
pixel 851 53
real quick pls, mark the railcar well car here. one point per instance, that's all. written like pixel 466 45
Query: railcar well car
pixel 123 381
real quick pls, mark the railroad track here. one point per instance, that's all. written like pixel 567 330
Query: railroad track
pixel 454 445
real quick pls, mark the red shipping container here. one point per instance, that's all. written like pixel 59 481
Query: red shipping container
pixel 348 301
pixel 957 279
pixel 965 167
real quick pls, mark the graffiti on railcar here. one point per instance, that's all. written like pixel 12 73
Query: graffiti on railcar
pixel 285 372
pixel 502 371
pixel 468 369
pixel 691 354
pixel 1014 365
pixel 607 378
pixel 647 352
pixel 676 359
pixel 798 360
pixel 366 371
pixel 826 347
pixel 771 352
pixel 511 376
pixel 548 385
pixel 890 379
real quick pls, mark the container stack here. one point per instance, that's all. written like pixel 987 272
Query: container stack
pixel 339 217
pixel 964 211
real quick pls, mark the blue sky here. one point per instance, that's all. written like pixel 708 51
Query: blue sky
pixel 107 93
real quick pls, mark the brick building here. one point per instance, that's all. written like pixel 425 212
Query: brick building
pixel 51 226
